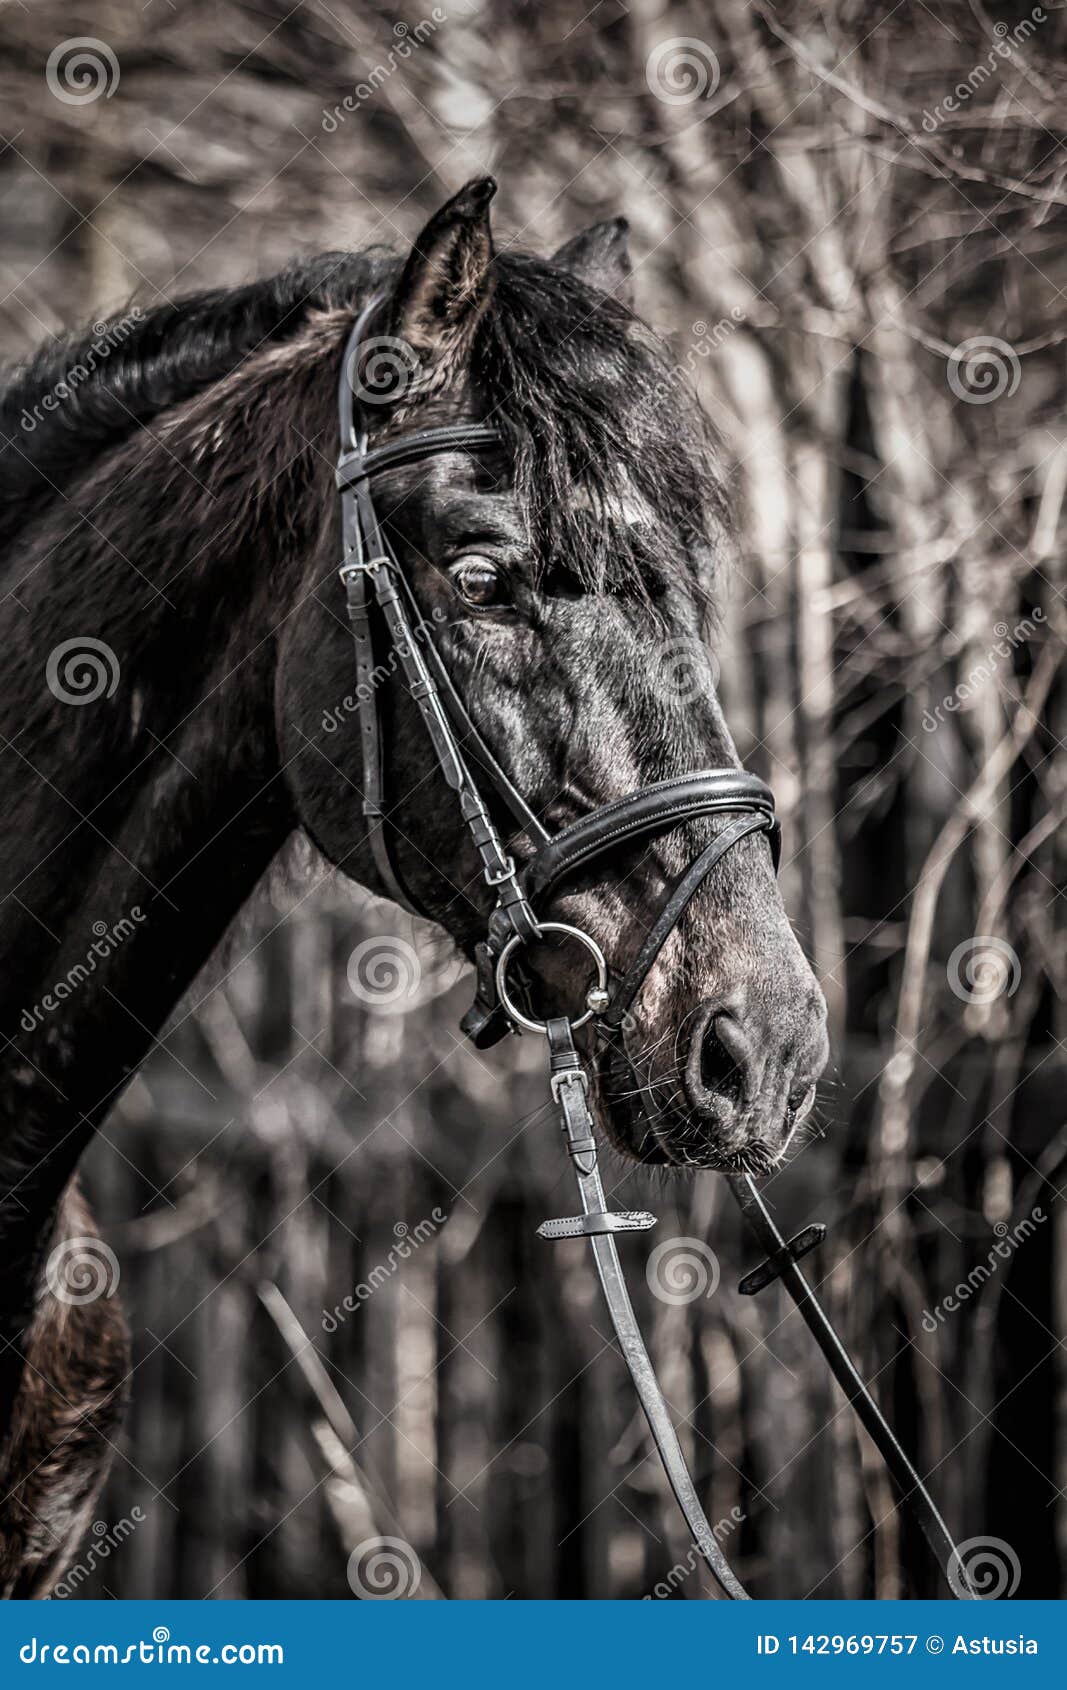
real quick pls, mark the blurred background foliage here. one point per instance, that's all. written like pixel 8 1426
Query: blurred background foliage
pixel 848 220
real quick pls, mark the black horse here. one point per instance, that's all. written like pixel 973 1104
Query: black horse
pixel 175 643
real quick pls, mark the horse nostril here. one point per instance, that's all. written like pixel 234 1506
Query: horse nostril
pixel 800 1101
pixel 723 1058
pixel 751 1070
pixel 718 1070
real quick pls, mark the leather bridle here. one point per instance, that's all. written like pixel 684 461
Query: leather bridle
pixel 378 591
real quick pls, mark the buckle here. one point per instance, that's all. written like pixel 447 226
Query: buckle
pixel 566 1077
pixel 498 877
pixel 370 566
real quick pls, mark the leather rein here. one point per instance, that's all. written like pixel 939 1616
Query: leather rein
pixel 377 591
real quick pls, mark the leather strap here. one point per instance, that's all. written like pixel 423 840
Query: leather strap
pixel 682 894
pixel 570 1087
pixel 359 463
pixel 585 1226
pixel 498 866
pixel 369 557
pixel 653 809
pixel 474 745
pixel 910 1487
pixel 357 597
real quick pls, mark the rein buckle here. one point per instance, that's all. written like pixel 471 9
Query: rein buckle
pixel 568 1077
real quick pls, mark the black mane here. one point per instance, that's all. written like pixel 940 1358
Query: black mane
pixel 586 397
pixel 589 400
pixel 124 371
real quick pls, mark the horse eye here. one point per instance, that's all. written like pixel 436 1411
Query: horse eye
pixel 479 580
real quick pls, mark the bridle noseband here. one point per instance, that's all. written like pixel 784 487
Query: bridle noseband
pixel 376 588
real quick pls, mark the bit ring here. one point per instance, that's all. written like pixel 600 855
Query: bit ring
pixel 512 1010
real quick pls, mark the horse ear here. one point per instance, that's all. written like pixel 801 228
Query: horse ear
pixel 600 256
pixel 445 281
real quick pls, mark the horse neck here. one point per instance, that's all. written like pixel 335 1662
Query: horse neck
pixel 145 796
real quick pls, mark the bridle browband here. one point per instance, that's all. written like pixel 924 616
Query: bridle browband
pixel 375 583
